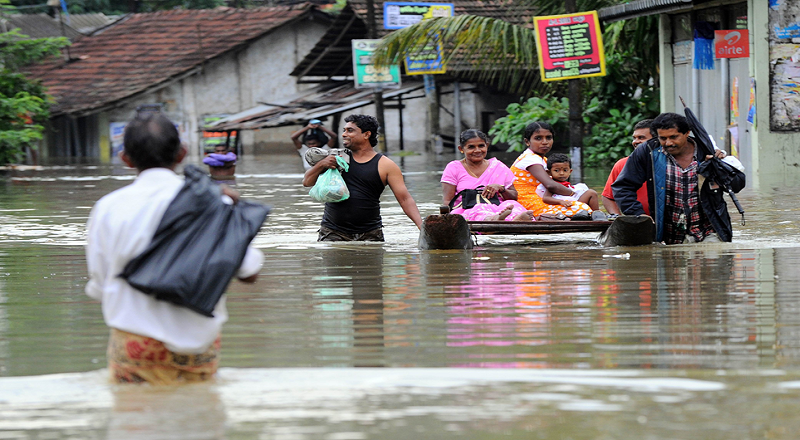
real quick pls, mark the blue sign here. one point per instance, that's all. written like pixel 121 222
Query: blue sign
pixel 398 15
pixel 426 61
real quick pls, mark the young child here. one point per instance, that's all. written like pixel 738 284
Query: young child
pixel 151 340
pixel 559 168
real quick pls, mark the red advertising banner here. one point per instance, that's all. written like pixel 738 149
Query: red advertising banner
pixel 569 46
pixel 732 44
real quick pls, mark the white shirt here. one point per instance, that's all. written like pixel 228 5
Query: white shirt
pixel 120 227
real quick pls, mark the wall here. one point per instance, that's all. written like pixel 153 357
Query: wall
pixel 784 37
pixel 777 156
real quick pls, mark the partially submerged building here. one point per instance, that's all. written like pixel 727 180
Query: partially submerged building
pixel 194 65
pixel 750 104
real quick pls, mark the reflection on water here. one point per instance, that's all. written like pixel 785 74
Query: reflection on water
pixel 569 339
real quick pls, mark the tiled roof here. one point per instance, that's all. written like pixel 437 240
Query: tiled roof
pixel 143 51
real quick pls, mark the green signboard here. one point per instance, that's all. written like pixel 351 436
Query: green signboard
pixel 366 74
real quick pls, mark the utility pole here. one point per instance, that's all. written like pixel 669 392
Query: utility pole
pixel 575 113
pixel 377 94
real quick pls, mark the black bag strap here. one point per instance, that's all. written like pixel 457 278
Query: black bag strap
pixel 458 194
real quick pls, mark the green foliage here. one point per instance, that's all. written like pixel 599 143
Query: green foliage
pixel 24 105
pixel 620 99
pixel 609 138
pixel 510 129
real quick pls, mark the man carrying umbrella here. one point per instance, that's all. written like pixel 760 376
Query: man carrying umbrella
pixel 687 207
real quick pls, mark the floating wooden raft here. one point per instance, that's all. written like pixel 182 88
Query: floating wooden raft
pixel 447 231
pixel 540 227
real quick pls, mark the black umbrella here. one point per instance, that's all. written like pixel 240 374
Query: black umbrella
pixel 714 168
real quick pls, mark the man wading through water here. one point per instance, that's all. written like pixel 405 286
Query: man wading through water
pixel 686 207
pixel 359 217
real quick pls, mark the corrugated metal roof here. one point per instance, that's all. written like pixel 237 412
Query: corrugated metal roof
pixel 39 26
pixel 88 23
pixel 321 101
pixel 641 8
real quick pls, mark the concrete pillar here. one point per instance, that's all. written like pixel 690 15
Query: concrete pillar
pixel 666 76
pixel 757 11
pixel 104 131
pixel 191 118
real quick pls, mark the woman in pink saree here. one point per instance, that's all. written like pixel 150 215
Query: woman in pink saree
pixel 475 171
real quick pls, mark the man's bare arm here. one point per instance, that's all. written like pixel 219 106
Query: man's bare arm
pixel 310 178
pixel 394 178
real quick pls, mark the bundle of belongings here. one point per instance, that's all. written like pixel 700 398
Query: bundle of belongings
pixel 198 247
pixel 220 160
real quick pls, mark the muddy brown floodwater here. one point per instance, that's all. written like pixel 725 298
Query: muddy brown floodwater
pixel 550 337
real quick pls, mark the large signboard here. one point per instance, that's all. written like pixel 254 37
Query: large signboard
pixel 397 15
pixel 366 74
pixel 569 46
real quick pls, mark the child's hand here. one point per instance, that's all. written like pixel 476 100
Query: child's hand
pixel 566 203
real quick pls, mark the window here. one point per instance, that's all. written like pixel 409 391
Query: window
pixel 682 25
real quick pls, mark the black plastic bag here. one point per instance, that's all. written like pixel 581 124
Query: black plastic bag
pixel 198 246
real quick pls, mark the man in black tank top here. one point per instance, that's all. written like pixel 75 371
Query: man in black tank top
pixel 359 217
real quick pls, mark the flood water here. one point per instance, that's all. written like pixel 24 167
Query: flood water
pixel 550 337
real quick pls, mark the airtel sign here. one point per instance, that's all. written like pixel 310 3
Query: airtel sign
pixel 732 44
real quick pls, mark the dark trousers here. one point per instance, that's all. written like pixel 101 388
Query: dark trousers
pixel 328 234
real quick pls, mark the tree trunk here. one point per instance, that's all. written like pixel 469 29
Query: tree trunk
pixel 575 113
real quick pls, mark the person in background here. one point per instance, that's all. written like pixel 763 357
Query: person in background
pixel 221 165
pixel 559 168
pixel 314 135
pixel 359 217
pixel 641 134
pixel 151 340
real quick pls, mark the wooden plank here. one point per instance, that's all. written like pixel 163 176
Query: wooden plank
pixel 540 227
